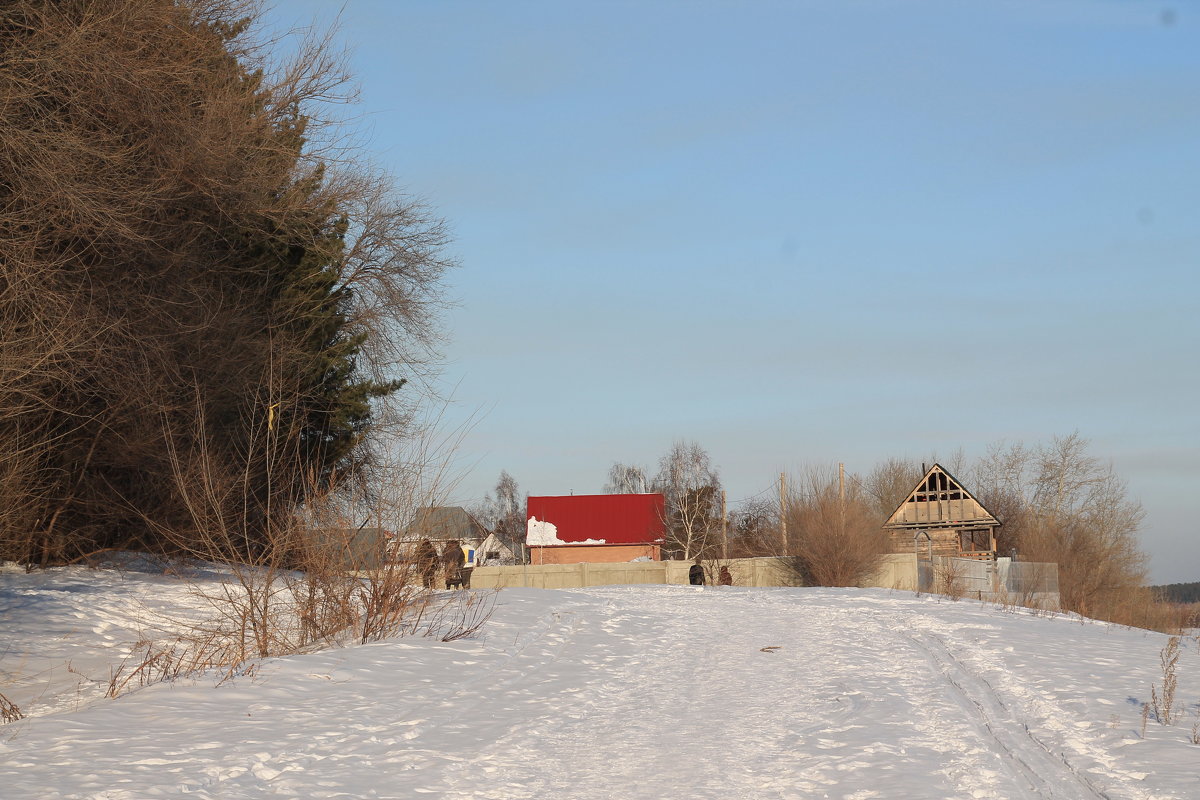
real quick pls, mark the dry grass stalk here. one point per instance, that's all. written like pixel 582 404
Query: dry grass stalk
pixel 1162 697
pixel 948 579
pixel 229 644
pixel 467 613
pixel 306 587
pixel 9 712
pixel 151 662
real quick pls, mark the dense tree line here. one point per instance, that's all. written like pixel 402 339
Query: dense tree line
pixel 204 302
pixel 1178 592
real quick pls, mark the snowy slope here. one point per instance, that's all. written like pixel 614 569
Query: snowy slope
pixel 618 692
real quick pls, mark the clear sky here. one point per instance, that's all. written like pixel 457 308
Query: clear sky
pixel 804 232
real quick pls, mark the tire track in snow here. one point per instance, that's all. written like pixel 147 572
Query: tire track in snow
pixel 647 671
pixel 913 719
pixel 1038 772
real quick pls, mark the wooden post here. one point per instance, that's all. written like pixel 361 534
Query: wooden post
pixel 724 528
pixel 783 514
pixel 841 499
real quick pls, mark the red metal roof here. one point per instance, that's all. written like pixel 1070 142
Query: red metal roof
pixel 615 518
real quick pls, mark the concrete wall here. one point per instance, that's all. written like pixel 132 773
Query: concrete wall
pixel 895 571
pixel 745 572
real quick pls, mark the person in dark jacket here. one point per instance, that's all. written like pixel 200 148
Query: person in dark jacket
pixel 426 558
pixel 725 579
pixel 452 562
pixel 696 574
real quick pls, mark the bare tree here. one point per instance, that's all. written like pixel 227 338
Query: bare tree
pixel 1060 504
pixel 754 529
pixel 692 489
pixel 1082 519
pixel 1000 480
pixel 888 484
pixel 626 479
pixel 504 514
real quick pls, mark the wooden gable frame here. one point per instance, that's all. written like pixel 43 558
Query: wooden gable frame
pixel 947 518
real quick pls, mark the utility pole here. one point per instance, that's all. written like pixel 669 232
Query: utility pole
pixel 783 513
pixel 841 498
pixel 725 528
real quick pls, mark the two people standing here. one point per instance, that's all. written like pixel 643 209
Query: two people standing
pixel 696 575
pixel 451 560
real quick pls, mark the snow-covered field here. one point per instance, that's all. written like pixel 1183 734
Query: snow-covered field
pixel 618 692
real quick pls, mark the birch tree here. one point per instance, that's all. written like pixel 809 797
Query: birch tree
pixel 626 479
pixel 691 486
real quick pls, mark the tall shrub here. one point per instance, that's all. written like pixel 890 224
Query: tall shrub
pixel 204 301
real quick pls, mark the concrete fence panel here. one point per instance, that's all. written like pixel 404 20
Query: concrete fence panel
pixel 895 571
pixel 745 572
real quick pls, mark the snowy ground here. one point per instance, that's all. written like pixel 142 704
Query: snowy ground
pixel 619 692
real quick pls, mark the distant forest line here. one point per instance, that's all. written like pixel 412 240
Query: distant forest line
pixel 1178 592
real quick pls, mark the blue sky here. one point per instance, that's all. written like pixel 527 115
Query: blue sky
pixel 805 232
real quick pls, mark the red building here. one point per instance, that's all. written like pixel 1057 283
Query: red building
pixel 595 527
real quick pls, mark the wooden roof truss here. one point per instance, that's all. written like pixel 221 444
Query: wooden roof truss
pixel 940 501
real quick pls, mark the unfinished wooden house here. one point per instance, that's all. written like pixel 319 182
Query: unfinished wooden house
pixel 941 518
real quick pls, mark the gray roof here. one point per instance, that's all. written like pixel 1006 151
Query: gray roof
pixel 443 523
pixel 353 548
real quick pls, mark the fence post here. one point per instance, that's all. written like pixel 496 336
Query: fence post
pixel 583 574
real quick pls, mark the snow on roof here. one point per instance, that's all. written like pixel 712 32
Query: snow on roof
pixel 545 534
